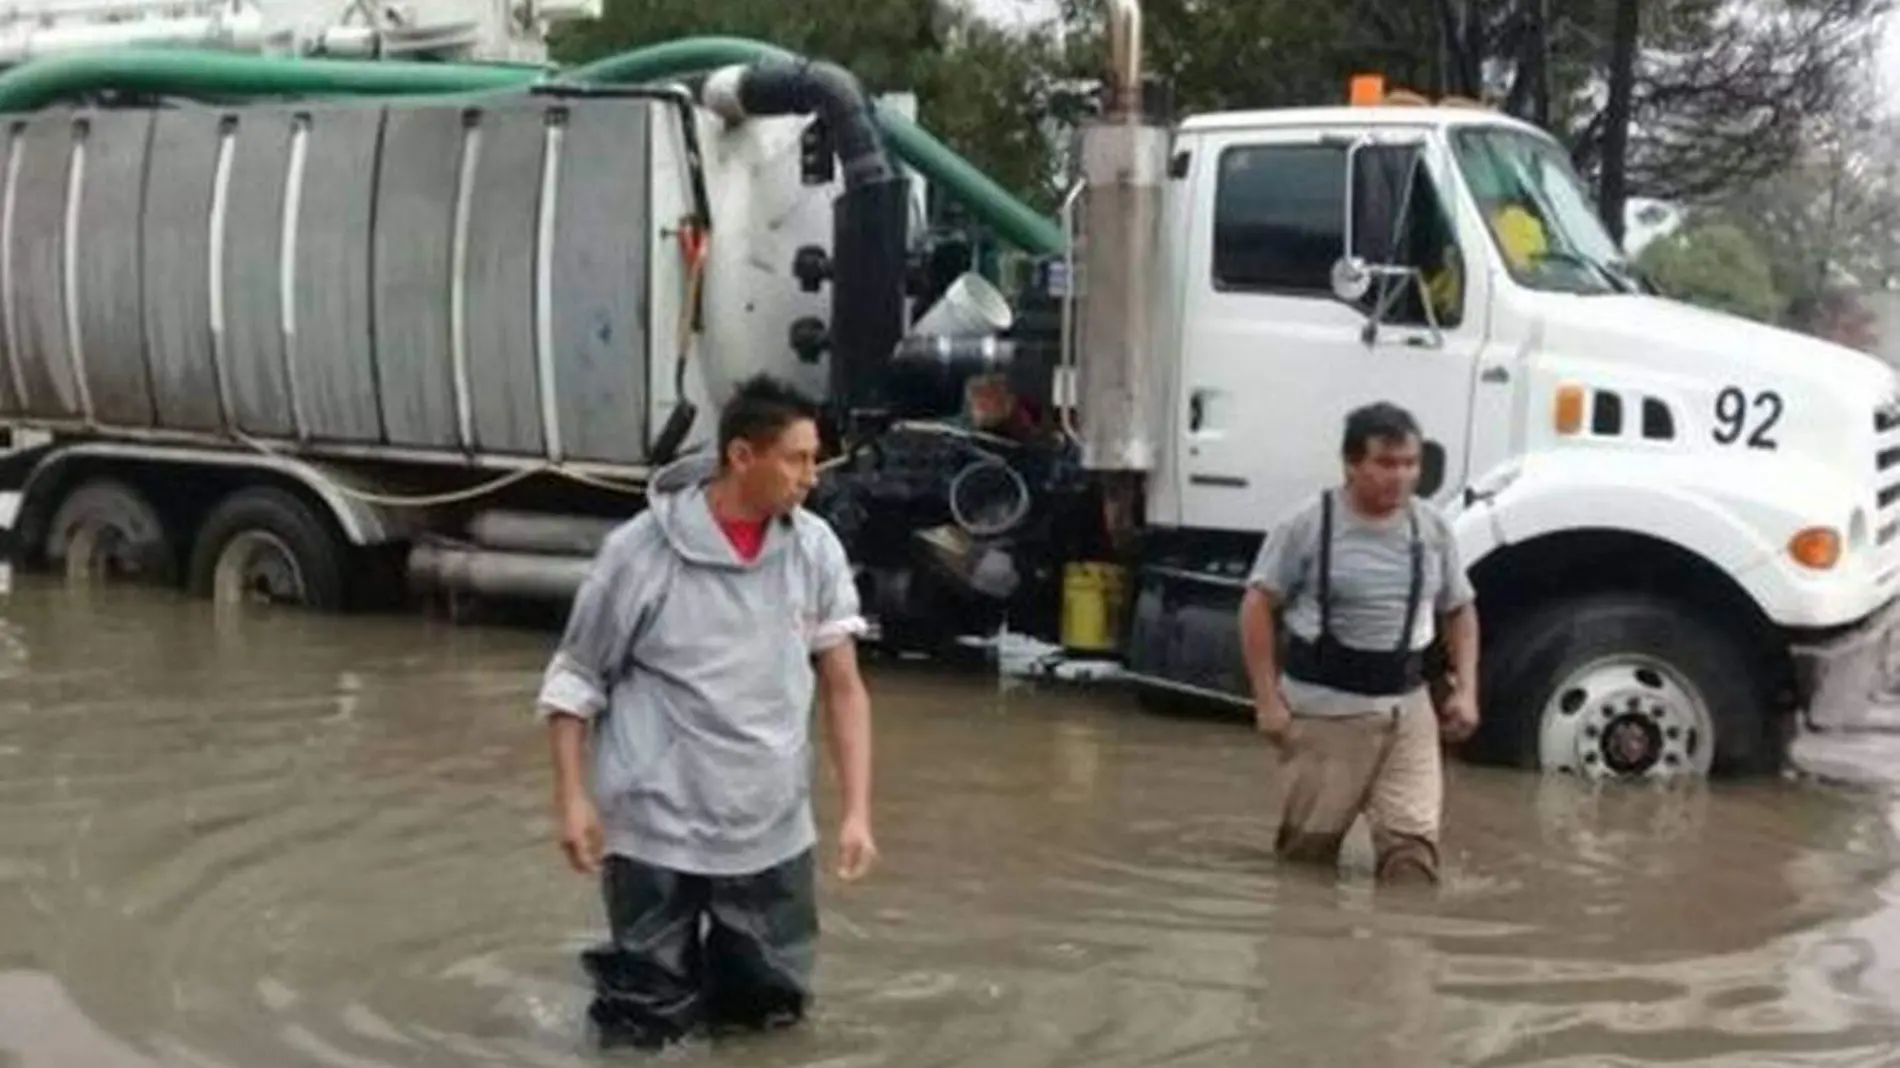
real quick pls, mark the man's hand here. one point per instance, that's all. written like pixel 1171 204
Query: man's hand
pixel 848 717
pixel 581 837
pixel 857 852
pixel 1273 718
pixel 576 820
pixel 1459 715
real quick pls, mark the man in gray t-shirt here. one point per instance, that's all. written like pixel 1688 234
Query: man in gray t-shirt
pixel 1362 579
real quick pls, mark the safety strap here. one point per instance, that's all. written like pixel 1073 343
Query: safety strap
pixel 1326 573
pixel 1325 564
pixel 1418 582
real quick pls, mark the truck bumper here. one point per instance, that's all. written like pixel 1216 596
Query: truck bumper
pixel 1848 726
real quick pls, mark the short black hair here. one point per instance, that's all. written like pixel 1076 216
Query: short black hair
pixel 1384 421
pixel 759 411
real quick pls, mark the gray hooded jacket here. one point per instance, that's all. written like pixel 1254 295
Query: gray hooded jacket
pixel 695 668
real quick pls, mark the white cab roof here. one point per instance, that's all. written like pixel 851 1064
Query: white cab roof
pixel 1380 115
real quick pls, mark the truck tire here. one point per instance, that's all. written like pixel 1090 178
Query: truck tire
pixel 1623 686
pixel 107 528
pixel 266 544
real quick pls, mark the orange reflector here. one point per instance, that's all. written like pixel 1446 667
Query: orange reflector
pixel 1816 547
pixel 1367 90
pixel 1569 414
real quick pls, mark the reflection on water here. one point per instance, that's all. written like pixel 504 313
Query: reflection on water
pixel 303 841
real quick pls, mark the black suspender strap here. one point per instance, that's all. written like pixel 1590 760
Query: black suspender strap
pixel 1418 584
pixel 1329 663
pixel 1325 564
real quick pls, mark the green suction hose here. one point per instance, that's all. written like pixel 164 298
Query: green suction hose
pixel 212 74
pixel 198 73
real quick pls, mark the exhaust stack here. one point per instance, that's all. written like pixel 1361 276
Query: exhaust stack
pixel 1124 58
pixel 1116 241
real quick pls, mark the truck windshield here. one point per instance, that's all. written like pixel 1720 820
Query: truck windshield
pixel 1538 213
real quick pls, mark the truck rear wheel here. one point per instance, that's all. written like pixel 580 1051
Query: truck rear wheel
pixel 266 545
pixel 107 529
pixel 1623 686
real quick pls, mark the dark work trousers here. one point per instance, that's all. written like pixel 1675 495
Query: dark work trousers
pixel 697 951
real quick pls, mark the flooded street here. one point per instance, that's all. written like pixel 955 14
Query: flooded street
pixel 309 841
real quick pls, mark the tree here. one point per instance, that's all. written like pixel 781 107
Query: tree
pixel 1613 182
pixel 1710 95
pixel 1830 222
pixel 1724 91
pixel 1715 265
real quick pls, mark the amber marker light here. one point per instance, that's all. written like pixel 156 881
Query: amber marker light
pixel 1816 547
pixel 1569 413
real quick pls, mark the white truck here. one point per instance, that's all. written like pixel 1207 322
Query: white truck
pixel 296 328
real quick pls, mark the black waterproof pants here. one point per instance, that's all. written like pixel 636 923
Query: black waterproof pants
pixel 696 951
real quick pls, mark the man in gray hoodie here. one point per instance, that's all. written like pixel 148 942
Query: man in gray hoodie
pixel 688 661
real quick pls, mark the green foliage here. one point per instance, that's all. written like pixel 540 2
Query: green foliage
pixel 1716 265
pixel 1721 91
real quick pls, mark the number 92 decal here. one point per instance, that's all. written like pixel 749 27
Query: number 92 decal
pixel 1740 418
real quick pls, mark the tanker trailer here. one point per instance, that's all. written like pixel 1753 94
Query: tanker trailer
pixel 320 331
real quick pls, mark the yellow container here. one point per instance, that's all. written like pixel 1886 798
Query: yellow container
pixel 1092 598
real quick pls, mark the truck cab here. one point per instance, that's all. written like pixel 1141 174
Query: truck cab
pixel 1682 524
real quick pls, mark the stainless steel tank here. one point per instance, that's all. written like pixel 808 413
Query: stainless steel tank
pixel 437 277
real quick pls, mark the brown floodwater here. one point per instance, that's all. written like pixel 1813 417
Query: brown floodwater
pixel 291 840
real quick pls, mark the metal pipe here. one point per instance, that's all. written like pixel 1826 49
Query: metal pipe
pixel 242 32
pixel 1065 371
pixel 1124 58
pixel 488 573
pixel 46 10
pixel 536 532
pixel 773 86
pixel 1120 383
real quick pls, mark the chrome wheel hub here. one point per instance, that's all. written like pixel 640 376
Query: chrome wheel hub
pixel 1627 717
pixel 256 566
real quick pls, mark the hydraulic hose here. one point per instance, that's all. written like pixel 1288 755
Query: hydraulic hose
pixel 772 87
pixel 224 75
pixel 1016 222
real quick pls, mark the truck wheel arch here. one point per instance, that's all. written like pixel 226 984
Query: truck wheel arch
pixel 1517 575
pixel 1530 585
pixel 64 467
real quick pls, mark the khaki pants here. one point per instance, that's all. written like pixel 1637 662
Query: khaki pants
pixel 1384 764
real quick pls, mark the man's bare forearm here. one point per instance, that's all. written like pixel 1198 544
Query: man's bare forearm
pixel 848 734
pixel 1258 642
pixel 567 741
pixel 1461 635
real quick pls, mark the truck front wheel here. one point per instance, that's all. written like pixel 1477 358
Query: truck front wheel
pixel 265 545
pixel 1623 686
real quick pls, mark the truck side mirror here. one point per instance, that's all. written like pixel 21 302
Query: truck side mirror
pixel 1380 190
pixel 1351 278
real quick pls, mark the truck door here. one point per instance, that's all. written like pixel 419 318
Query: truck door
pixel 1273 358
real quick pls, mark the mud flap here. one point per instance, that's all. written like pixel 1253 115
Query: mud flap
pixel 1848 729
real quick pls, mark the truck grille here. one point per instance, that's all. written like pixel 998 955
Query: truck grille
pixel 1887 471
